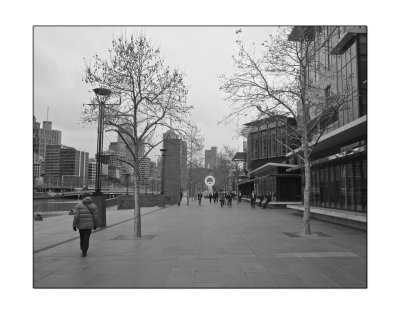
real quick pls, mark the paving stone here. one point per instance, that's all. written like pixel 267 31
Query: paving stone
pixel 261 280
pixel 207 276
pixel 207 265
pixel 288 281
pixel 206 285
pixel 249 267
pixel 234 281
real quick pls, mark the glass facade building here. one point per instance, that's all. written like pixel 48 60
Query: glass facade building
pixel 339 158
pixel 267 162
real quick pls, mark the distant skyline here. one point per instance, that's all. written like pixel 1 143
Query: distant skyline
pixel 203 53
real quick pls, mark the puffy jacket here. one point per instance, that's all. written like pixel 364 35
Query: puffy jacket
pixel 83 218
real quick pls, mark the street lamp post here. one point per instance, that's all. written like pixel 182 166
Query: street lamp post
pixel 163 151
pixel 102 95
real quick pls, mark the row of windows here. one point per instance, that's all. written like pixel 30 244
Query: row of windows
pixel 341 185
pixel 268 143
pixel 349 73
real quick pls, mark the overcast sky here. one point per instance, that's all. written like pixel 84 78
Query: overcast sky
pixel 203 53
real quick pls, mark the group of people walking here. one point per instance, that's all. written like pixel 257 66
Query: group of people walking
pixel 216 197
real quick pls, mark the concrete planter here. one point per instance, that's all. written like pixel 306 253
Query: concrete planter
pixel 146 200
pixel 126 202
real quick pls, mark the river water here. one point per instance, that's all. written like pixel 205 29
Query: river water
pixel 53 205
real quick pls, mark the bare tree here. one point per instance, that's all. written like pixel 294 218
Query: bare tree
pixel 283 80
pixel 234 166
pixel 195 144
pixel 151 97
pixel 223 171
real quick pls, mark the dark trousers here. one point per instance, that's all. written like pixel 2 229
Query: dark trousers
pixel 84 235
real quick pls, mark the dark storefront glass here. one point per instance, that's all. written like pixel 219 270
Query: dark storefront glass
pixel 332 186
pixel 350 186
pixel 322 187
pixel 340 184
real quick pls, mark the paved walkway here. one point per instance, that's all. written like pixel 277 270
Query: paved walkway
pixel 53 230
pixel 208 246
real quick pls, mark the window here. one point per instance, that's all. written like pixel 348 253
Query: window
pixel 283 139
pixel 273 143
pixel 354 74
pixel 255 145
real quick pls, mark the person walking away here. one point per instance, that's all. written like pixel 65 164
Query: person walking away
pixel 229 199
pixel 199 196
pixel 180 198
pixel 86 218
pixel 210 196
pixel 221 196
pixel 253 199
pixel 187 198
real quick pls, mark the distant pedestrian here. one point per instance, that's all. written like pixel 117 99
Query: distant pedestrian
pixel 199 197
pixel 85 219
pixel 210 196
pixel 229 199
pixel 180 198
pixel 253 199
pixel 215 197
pixel 187 198
pixel 240 196
pixel 221 196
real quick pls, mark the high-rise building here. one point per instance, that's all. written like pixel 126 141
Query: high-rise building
pixel 92 170
pixel 111 163
pixel 121 147
pixel 144 169
pixel 207 158
pixel 37 167
pixel 210 157
pixel 113 147
pixel 68 164
pixel 42 137
pixel 153 169
pixel 175 173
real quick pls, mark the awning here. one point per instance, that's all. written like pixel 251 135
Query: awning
pixel 245 181
pixel 347 40
pixel 285 175
pixel 348 132
pixel 240 156
pixel 341 155
pixel 271 165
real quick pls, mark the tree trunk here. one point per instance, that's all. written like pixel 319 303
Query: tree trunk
pixel 137 227
pixel 304 119
pixel 306 216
